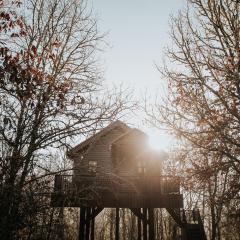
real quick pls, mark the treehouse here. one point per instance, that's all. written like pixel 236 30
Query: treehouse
pixel 115 168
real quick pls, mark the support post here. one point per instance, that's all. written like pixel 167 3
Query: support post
pixel 145 224
pixel 139 224
pixel 117 224
pixel 87 223
pixel 82 223
pixel 92 226
pixel 151 223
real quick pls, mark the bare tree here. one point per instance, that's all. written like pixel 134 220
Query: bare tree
pixel 203 105
pixel 50 92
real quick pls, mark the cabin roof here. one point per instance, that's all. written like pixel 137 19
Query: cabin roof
pixel 96 136
pixel 131 131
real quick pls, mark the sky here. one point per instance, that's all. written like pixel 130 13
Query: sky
pixel 137 33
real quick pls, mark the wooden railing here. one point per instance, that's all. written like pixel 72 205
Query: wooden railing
pixel 138 184
pixel 115 191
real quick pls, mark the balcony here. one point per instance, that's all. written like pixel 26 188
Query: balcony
pixel 110 190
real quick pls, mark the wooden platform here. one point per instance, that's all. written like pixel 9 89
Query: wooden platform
pixel 123 201
pixel 111 192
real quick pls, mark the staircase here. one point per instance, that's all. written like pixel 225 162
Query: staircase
pixel 190 222
pixel 193 225
pixel 194 232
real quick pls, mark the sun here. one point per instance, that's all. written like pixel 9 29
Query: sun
pixel 158 140
pixel 155 141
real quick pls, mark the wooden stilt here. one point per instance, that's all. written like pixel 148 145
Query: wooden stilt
pixel 117 224
pixel 87 222
pixel 92 225
pixel 145 224
pixel 174 237
pixel 111 225
pixel 139 224
pixel 151 223
pixel 82 223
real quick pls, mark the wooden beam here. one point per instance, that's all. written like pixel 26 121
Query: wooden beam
pixel 117 224
pixel 175 214
pixel 121 201
pixel 151 223
pixel 95 211
pixel 92 226
pixel 82 223
pixel 137 212
pixel 139 223
pixel 88 211
pixel 145 236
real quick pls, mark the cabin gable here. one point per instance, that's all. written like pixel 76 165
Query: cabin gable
pixel 117 150
pixel 96 158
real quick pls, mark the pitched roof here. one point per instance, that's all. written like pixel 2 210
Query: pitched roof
pixel 131 131
pixel 96 136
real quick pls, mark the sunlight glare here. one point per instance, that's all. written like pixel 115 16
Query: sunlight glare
pixel 155 141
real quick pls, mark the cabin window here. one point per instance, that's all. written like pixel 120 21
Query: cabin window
pixel 92 166
pixel 142 167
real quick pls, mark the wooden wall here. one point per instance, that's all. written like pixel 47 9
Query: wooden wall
pixel 100 151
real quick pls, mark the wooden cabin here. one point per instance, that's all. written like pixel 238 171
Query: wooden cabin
pixel 117 167
pixel 94 154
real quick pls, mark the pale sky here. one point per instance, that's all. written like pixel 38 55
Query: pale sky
pixel 137 35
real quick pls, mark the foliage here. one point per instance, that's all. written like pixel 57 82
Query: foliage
pixel 203 106
pixel 50 92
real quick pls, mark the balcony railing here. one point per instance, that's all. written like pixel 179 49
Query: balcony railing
pixel 114 191
pixel 135 184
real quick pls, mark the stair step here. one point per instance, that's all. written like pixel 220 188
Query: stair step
pixel 194 232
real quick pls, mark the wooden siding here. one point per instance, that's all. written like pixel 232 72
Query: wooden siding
pixel 77 149
pixel 99 151
pixel 125 152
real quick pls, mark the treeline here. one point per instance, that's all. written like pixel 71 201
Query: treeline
pixel 51 91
